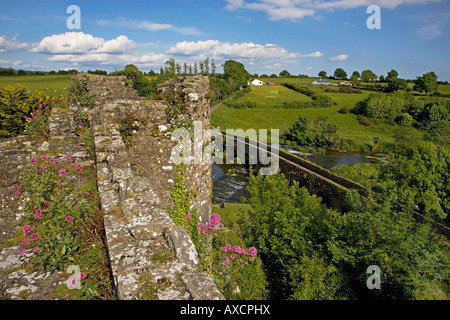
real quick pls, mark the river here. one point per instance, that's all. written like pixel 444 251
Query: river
pixel 230 181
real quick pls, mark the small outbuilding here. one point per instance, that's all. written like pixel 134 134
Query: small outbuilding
pixel 322 82
pixel 255 82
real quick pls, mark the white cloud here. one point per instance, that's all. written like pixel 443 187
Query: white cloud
pixel 7 45
pixel 150 26
pixel 429 32
pixel 106 59
pixel 297 9
pixel 339 57
pixel 80 42
pixel 226 50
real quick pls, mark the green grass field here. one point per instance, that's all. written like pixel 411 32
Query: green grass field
pixel 52 85
pixel 264 117
pixel 272 96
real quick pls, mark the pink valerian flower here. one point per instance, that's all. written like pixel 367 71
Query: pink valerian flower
pixel 252 252
pixel 201 226
pixel 46 203
pixel 138 159
pixel 80 127
pixel 38 214
pixel 238 250
pixel 25 241
pixel 87 194
pixel 34 237
pixel 72 164
pixel 33 160
pixel 82 275
pixel 41 170
pixel 52 160
pixel 58 197
pixel 68 158
pixel 35 249
pixel 226 260
pixel 60 186
pixel 68 219
pixel 79 167
pixel 62 172
pixel 71 282
pixel 43 158
pixel 187 217
pixel 27 230
pixel 22 252
pixel 17 193
pixel 16 187
pixel 226 248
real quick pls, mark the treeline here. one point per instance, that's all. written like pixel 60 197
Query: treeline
pixel 13 72
pixel 427 113
pixel 310 252
pixel 233 78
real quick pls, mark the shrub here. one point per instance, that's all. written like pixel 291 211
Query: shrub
pixel 63 225
pixel 79 94
pixel 404 120
pixel 17 106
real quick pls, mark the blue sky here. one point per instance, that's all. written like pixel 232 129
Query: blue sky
pixel 301 36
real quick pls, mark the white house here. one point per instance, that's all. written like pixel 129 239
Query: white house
pixel 345 83
pixel 255 82
pixel 322 82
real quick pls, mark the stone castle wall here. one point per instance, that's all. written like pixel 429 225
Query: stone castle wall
pixel 135 178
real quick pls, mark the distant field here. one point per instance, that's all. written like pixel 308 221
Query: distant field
pixel 264 117
pixel 282 119
pixel 53 85
pixel 272 96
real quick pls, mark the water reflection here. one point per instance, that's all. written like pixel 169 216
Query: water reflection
pixel 229 183
pixel 335 158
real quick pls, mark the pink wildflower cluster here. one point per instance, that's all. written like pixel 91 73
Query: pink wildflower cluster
pixel 28 231
pixel 211 225
pixel 72 281
pixel 238 252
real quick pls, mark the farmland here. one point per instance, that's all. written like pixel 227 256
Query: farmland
pixel 52 85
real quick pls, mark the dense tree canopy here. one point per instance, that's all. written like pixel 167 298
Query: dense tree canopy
pixel 368 75
pixel 426 83
pixel 339 73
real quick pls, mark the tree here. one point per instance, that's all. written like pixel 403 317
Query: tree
pixel 356 74
pixel 322 74
pixel 427 82
pixel 339 73
pixel 206 64
pixel 392 75
pixel 195 67
pixel 185 68
pixel 317 133
pixel 368 75
pixel 213 67
pixel 354 78
pixel 285 74
pixel 236 71
pixel 395 84
pixel 170 68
